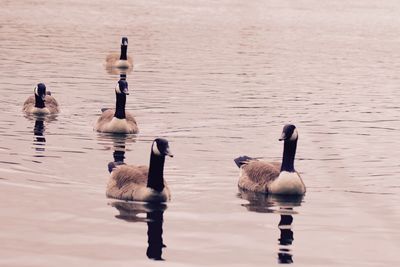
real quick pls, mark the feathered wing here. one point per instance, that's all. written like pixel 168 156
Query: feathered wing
pixel 256 175
pixel 29 104
pixel 131 122
pixel 112 59
pixel 128 182
pixel 105 117
pixel 52 104
pixel 125 180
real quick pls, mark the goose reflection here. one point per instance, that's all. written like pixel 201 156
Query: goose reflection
pixel 39 128
pixel 131 211
pixel 118 143
pixel 282 205
pixel 38 133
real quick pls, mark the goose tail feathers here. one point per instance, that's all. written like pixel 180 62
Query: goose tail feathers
pixel 242 160
pixel 113 165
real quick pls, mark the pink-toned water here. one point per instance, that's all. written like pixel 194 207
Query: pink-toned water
pixel 218 79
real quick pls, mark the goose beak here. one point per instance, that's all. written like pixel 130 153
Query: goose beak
pixel 283 137
pixel 168 153
pixel 126 91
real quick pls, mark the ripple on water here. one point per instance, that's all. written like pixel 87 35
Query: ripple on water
pixel 217 79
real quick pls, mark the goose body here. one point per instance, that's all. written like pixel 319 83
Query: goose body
pixel 122 60
pixel 117 120
pixel 41 103
pixel 108 123
pixel 141 183
pixel 273 177
pixel 114 61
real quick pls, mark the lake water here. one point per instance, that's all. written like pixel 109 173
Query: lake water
pixel 218 79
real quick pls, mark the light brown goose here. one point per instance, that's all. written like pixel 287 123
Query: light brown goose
pixel 141 183
pixel 41 103
pixel 117 120
pixel 122 60
pixel 273 177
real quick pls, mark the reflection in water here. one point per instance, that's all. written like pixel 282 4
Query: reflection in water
pixel 119 150
pixel 38 133
pixel 39 141
pixel 130 211
pixel 116 142
pixel 286 239
pixel 276 204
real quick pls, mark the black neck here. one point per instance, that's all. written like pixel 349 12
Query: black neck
pixel 156 172
pixel 39 103
pixel 154 234
pixel 119 156
pixel 120 106
pixel 124 49
pixel 289 152
pixel 39 127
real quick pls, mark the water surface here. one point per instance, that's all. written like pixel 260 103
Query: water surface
pixel 218 79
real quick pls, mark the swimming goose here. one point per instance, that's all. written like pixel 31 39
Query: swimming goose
pixel 141 183
pixel 117 120
pixel 41 103
pixel 273 177
pixel 121 61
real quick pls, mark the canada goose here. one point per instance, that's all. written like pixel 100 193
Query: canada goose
pixel 41 102
pixel 121 61
pixel 117 121
pixel 273 177
pixel 141 183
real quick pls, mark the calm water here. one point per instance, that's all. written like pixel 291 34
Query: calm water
pixel 218 79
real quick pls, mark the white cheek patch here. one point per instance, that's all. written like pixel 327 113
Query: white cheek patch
pixel 36 91
pixel 155 149
pixel 294 135
pixel 117 90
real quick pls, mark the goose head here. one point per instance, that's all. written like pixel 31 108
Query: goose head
pixel 124 41
pixel 122 87
pixel 40 91
pixel 160 148
pixel 289 133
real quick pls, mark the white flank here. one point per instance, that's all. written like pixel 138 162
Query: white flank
pixel 122 64
pixel 117 126
pixel 39 111
pixel 288 183
pixel 148 194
